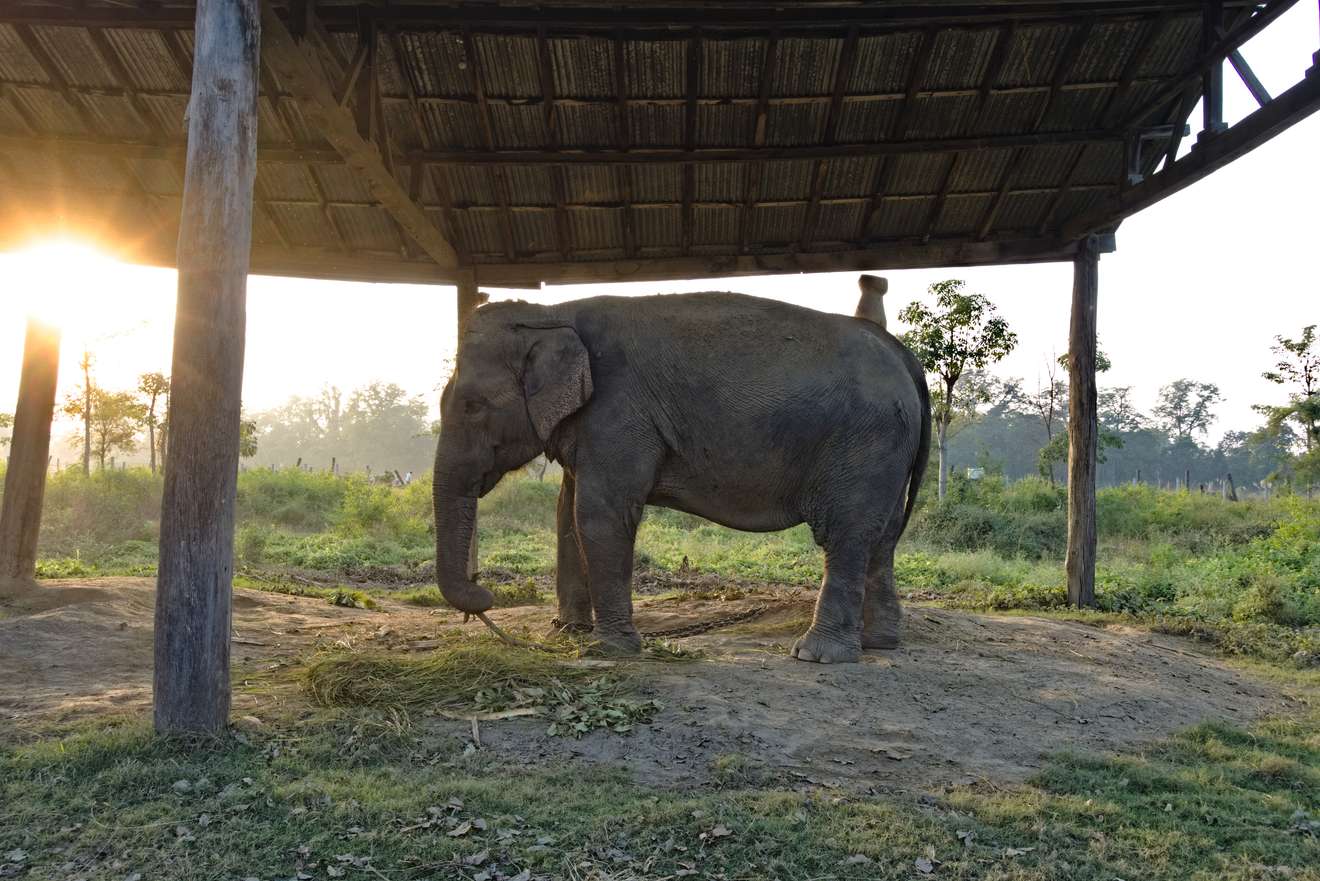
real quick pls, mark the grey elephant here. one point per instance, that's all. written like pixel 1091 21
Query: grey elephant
pixel 752 413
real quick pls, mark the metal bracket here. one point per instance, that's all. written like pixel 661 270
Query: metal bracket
pixel 1136 140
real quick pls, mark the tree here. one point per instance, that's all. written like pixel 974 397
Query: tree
pixel 247 437
pixel 1048 403
pixel 1117 412
pixel 1298 366
pixel 6 421
pixel 156 388
pixel 113 419
pixel 81 405
pixel 1186 407
pixel 962 331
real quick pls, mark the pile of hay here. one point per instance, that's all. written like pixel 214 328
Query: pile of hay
pixel 481 676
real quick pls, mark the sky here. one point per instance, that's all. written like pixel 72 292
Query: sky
pixel 1199 286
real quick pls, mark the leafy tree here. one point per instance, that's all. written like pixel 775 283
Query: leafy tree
pixel 247 438
pixel 155 387
pixel 1117 412
pixel 960 332
pixel 81 405
pixel 1186 407
pixel 6 421
pixel 1298 366
pixel 1056 450
pixel 113 417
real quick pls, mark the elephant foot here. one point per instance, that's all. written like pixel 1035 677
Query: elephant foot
pixel 816 646
pixel 881 638
pixel 618 643
pixel 561 627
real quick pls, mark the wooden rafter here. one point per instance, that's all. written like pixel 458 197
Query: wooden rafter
pixel 304 78
pixel 1216 53
pixel 563 228
pixel 842 73
pixel 312 155
pixel 499 181
pixel 754 172
pixel 1289 108
pixel 625 139
pixel 645 18
pixel 1127 79
pixel 691 93
pixel 1068 60
pixel 884 169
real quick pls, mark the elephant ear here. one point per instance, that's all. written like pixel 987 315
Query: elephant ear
pixel 556 376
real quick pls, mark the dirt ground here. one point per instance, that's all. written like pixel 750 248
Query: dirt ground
pixel 967 698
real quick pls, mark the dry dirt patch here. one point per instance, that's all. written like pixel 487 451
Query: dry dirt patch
pixel 968 697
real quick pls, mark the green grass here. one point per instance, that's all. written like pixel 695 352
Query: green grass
pixel 377 796
pixel 1246 576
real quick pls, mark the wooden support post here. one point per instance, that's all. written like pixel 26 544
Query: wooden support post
pixel 469 298
pixel 1083 426
pixel 1212 82
pixel 194 585
pixel 29 456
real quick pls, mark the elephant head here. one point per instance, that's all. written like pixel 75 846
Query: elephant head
pixel 521 371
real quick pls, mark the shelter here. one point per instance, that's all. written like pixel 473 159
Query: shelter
pixel 515 144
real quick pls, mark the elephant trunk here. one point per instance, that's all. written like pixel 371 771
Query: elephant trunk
pixel 455 520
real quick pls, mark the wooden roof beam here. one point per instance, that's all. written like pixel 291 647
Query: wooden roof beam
pixel 884 170
pixel 1072 50
pixel 550 113
pixel 691 92
pixel 842 74
pixel 300 73
pixel 311 155
pixel 1250 132
pixel 755 172
pixel 499 180
pixel 1211 57
pixel 659 18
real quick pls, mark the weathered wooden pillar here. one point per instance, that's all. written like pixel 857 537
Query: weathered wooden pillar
pixel 29 455
pixel 1212 81
pixel 469 298
pixel 215 235
pixel 1083 426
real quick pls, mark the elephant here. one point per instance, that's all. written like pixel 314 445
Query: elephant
pixel 752 413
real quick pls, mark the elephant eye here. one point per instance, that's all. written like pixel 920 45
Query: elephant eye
pixel 472 406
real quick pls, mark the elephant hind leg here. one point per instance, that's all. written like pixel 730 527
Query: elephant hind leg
pixel 882 614
pixel 834 636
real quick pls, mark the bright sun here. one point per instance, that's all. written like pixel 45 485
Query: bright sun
pixel 72 285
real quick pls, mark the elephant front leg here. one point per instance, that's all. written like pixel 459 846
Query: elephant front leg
pixel 607 531
pixel 570 576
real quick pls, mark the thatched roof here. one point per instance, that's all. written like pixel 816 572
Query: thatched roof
pixel 583 140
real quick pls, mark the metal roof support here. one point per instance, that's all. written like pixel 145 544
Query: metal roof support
pixel 191 688
pixel 29 457
pixel 1083 425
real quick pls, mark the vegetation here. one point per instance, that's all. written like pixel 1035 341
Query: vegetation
pixel 368 793
pixel 962 332
pixel 1244 575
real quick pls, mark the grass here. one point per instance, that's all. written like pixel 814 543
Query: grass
pixel 482 676
pixel 362 784
pixel 1245 576
pixel 374 795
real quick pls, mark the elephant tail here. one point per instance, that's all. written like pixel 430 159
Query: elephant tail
pixel 923 446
